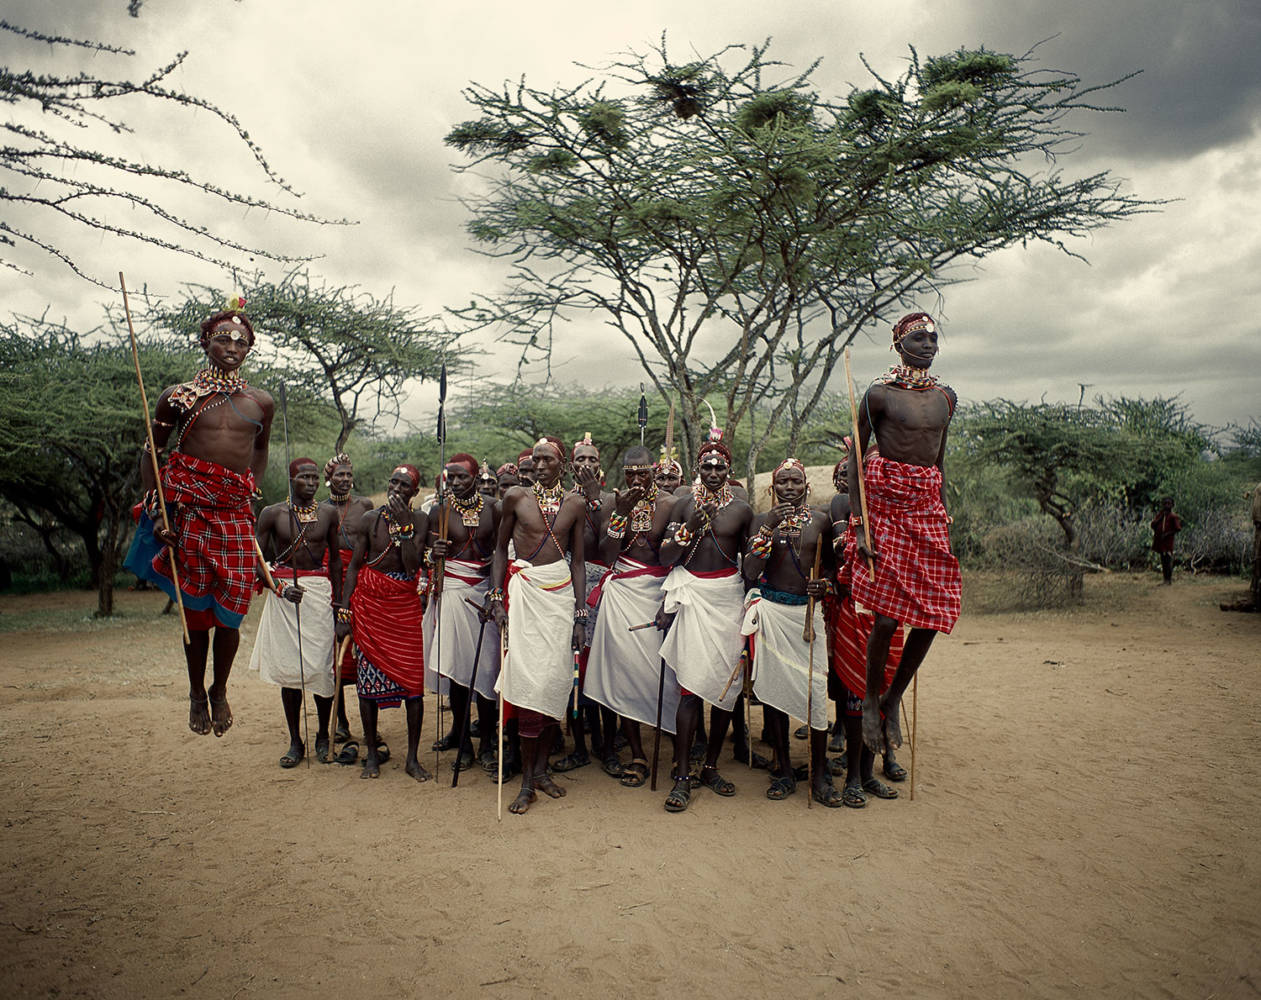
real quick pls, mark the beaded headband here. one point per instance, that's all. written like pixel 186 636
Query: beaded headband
pixel 910 323
pixel 410 471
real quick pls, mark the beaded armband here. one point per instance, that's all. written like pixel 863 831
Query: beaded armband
pixel 617 525
pixel 761 543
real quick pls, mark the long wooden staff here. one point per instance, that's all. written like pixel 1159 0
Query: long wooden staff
pixel 656 739
pixel 462 725
pixel 914 726
pixel 503 669
pixel 339 655
pixel 153 454
pixel 440 565
pixel 297 608
pixel 808 635
pixel 858 457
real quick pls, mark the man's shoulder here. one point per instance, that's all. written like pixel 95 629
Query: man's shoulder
pixel 261 396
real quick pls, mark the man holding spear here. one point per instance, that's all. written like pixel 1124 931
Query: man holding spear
pixel 785 563
pixel 213 432
pixel 299 535
pixel 901 562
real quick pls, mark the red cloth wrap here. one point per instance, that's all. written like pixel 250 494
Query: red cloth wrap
pixel 849 629
pixel 387 627
pixel 215 528
pixel 917 580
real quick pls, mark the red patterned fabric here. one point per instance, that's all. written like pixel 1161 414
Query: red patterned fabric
pixel 849 629
pixel 387 627
pixel 917 578
pixel 215 527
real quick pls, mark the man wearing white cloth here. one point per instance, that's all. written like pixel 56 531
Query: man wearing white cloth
pixel 705 594
pixel 545 613
pixel 779 563
pixel 296 534
pixel 624 672
pixel 465 555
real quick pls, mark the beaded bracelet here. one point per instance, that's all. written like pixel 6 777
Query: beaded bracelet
pixel 855 520
pixel 760 546
pixel 593 505
pixel 617 525
pixel 402 530
pixel 495 594
pixel 580 614
pixel 344 615
pixel 683 536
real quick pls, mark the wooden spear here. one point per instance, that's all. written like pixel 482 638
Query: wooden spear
pixel 809 636
pixel 153 454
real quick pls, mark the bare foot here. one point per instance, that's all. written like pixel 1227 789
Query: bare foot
pixel 414 768
pixel 522 802
pixel 199 715
pixel 546 785
pixel 371 766
pixel 873 726
pixel 892 729
pixel 220 713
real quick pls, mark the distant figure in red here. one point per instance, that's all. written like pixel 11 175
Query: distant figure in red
pixel 1165 525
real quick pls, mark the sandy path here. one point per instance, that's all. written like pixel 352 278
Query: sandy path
pixel 1085 824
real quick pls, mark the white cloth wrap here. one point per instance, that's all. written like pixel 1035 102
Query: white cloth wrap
pixel 704 643
pixel 539 674
pixel 624 668
pixel 275 654
pixel 460 625
pixel 781 657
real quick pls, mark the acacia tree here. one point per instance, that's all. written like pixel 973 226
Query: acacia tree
pixel 345 345
pixel 737 228
pixel 51 167
pixel 70 430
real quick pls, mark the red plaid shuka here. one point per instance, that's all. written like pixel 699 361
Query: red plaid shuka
pixel 850 629
pixel 917 577
pixel 215 527
pixel 387 628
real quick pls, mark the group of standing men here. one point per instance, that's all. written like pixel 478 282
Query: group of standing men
pixel 626 608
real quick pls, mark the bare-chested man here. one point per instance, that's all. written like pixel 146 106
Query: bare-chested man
pixel 382 610
pixel 339 477
pixel 705 594
pixel 214 431
pixel 472 522
pixel 916 580
pixel 525 468
pixel 546 610
pixel 779 563
pixel 669 475
pixel 624 673
pixel 588 476
pixel 506 476
pixel 294 649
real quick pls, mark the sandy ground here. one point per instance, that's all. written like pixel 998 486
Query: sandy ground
pixel 1085 824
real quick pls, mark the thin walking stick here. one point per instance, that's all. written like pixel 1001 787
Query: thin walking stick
pixel 339 654
pixel 503 670
pixel 858 457
pixel 153 454
pixel 914 726
pixel 472 694
pixel 656 739
pixel 809 634
pixel 297 608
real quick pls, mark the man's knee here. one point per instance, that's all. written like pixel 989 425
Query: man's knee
pixel 884 627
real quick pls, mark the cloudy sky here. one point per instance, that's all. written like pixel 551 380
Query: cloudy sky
pixel 350 103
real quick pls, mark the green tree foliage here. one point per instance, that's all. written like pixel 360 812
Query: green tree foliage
pixel 53 165
pixel 346 346
pixel 736 228
pixel 71 427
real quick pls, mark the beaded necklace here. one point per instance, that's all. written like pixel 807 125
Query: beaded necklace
pixel 205 383
pixel 470 509
pixel 795 521
pixel 305 514
pixel 549 498
pixel 703 495
pixel 643 512
pixel 907 377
